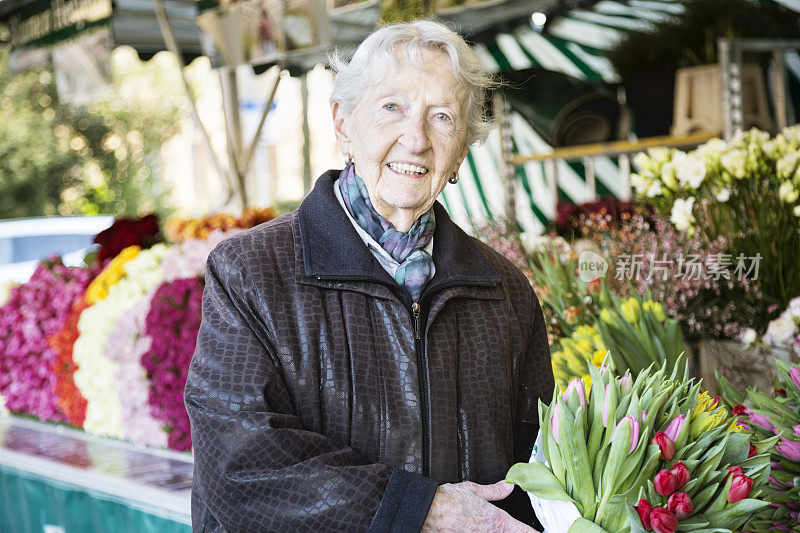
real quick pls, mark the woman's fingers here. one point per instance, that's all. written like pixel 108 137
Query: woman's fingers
pixel 493 492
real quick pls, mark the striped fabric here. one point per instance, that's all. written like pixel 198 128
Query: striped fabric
pixel 577 44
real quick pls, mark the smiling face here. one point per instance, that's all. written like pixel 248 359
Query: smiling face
pixel 407 135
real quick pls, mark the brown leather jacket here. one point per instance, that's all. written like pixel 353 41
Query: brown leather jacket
pixel 322 400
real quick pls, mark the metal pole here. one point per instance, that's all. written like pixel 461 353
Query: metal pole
pixel 503 110
pixel 252 148
pixel 779 86
pixel 172 46
pixel 306 135
pixel 230 107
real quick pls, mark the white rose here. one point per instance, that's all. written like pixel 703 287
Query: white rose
pixel 748 336
pixel 786 165
pixel 654 189
pixel 711 150
pixel 681 215
pixel 780 332
pixel 691 172
pixel 734 162
pixel 641 160
pixel 787 193
pixel 792 133
pixel 796 210
pixel 668 175
pixel 722 194
pixel 794 307
pixel 659 153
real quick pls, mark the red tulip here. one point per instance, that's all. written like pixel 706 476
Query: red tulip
pixel 644 508
pixel 665 482
pixel 740 488
pixel 735 470
pixel 681 473
pixel 681 504
pixel 752 451
pixel 663 520
pixel 739 410
pixel 666 444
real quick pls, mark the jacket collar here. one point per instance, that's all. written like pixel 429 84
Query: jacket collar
pixel 332 248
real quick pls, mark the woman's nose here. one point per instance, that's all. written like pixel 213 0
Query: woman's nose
pixel 415 135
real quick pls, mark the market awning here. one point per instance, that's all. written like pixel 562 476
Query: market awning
pixel 31 24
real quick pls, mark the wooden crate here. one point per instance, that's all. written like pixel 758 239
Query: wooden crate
pixel 698 99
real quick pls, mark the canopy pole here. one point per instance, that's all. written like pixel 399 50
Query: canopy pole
pixel 172 46
pixel 252 148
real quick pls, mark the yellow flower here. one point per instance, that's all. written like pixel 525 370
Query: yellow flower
pixel 597 358
pixel 655 309
pixel 598 342
pixel 606 316
pixel 630 310
pixel 114 271
pixel 585 331
pixel 585 347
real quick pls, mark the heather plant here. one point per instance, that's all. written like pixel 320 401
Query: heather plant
pixel 686 274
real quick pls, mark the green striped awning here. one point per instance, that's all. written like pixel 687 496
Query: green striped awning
pixel 575 43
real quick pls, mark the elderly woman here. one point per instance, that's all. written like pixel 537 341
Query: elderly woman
pixel 363 363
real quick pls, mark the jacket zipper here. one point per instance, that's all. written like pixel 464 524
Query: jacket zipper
pixel 424 384
pixel 422 361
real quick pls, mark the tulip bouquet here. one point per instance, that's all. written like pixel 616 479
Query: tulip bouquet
pixel 779 415
pixel 653 453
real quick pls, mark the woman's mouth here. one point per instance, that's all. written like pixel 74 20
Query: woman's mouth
pixel 407 169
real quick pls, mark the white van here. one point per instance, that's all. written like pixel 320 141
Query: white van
pixel 24 242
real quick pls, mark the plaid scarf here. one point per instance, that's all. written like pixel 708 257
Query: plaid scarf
pixel 416 265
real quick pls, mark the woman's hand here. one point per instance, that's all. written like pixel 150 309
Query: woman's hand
pixel 464 507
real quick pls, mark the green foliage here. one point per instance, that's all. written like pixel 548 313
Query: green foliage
pixel 690 39
pixel 405 10
pixel 59 158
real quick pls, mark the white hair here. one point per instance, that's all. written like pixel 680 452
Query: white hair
pixel 378 53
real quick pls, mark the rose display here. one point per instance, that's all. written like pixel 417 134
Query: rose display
pixel 106 347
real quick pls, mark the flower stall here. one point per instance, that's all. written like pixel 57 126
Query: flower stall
pixel 100 353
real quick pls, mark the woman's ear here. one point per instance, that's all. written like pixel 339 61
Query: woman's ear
pixel 340 127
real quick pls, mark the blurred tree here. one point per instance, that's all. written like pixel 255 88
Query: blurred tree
pixel 98 158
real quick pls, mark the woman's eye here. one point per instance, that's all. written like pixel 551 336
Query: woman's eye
pixel 443 116
pixel 390 107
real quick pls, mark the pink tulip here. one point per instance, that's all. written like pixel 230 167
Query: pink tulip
pixel 576 386
pixel 606 405
pixel 625 383
pixel 681 473
pixel 740 488
pixel 665 482
pixel 666 445
pixel 663 520
pixel 675 427
pixel 644 508
pixel 752 451
pixel 554 423
pixel 789 449
pixel 762 421
pixel 644 416
pixel 681 504
pixel 797 430
pixel 634 424
pixel 794 373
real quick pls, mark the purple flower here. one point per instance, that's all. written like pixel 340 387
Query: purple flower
pixel 789 449
pixel 794 372
pixel 675 427
pixel 576 386
pixel 762 421
pixel 634 425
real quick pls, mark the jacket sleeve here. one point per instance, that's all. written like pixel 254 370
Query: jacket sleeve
pixel 536 382
pixel 255 467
